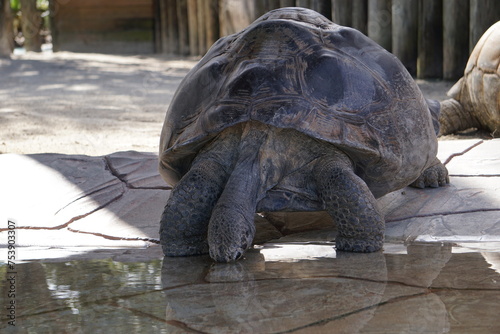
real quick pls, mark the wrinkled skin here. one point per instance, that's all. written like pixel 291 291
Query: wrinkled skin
pixel 294 113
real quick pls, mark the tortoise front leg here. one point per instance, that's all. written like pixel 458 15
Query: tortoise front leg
pixel 184 223
pixel 351 204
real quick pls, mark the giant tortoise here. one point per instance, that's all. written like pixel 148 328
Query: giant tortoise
pixel 475 98
pixel 292 113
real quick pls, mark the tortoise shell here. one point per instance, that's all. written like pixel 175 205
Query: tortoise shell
pixel 479 89
pixel 293 68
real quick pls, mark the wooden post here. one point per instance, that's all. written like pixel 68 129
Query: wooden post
pixel 157 26
pixel 165 30
pixel 172 27
pixel 235 15
pixel 483 13
pixel 6 32
pixel 455 38
pixel 260 7
pixel 287 3
pixel 360 15
pixel 303 3
pixel 342 12
pixel 264 6
pixel 192 7
pixel 272 4
pixel 182 20
pixel 324 7
pixel 54 29
pixel 202 28
pixel 211 21
pixel 405 33
pixel 31 25
pixel 379 22
pixel 430 39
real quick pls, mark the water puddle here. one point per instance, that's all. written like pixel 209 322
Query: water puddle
pixel 277 288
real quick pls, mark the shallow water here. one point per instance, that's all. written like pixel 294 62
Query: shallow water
pixel 279 288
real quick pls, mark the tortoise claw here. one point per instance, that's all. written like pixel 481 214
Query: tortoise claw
pixel 433 177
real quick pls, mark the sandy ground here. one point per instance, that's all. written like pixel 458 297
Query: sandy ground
pixel 95 104
pixel 90 104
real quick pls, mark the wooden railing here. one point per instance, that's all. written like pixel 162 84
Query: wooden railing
pixel 433 38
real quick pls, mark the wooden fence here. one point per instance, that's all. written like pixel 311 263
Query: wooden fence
pixel 121 26
pixel 433 38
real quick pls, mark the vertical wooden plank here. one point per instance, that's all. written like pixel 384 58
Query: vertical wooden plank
pixel 455 38
pixel 360 15
pixel 430 39
pixel 303 3
pixel 342 12
pixel 183 26
pixel 405 33
pixel 379 22
pixel 31 24
pixel 172 26
pixel 202 28
pixel 483 13
pixel 157 26
pixel 260 7
pixel 54 29
pixel 235 15
pixel 287 3
pixel 6 33
pixel 211 21
pixel 272 4
pixel 163 27
pixel 324 7
pixel 192 18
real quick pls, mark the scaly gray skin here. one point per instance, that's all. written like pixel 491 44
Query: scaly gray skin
pixel 212 208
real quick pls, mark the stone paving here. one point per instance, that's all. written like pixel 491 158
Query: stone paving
pixel 116 200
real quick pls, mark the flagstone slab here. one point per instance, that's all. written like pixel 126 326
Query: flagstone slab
pixel 404 289
pixel 51 190
pixel 63 238
pixel 137 170
pixel 419 313
pixel 447 149
pixel 481 226
pixel 463 194
pixel 483 159
pixel 136 214
pixel 278 305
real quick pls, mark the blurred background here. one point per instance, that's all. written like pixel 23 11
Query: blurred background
pixel 433 38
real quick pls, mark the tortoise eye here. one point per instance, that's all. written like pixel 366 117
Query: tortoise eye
pixel 323 78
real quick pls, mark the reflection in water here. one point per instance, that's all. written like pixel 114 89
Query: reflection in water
pixel 493 259
pixel 429 289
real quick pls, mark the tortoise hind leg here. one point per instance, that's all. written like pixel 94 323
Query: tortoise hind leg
pixel 434 177
pixel 351 204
